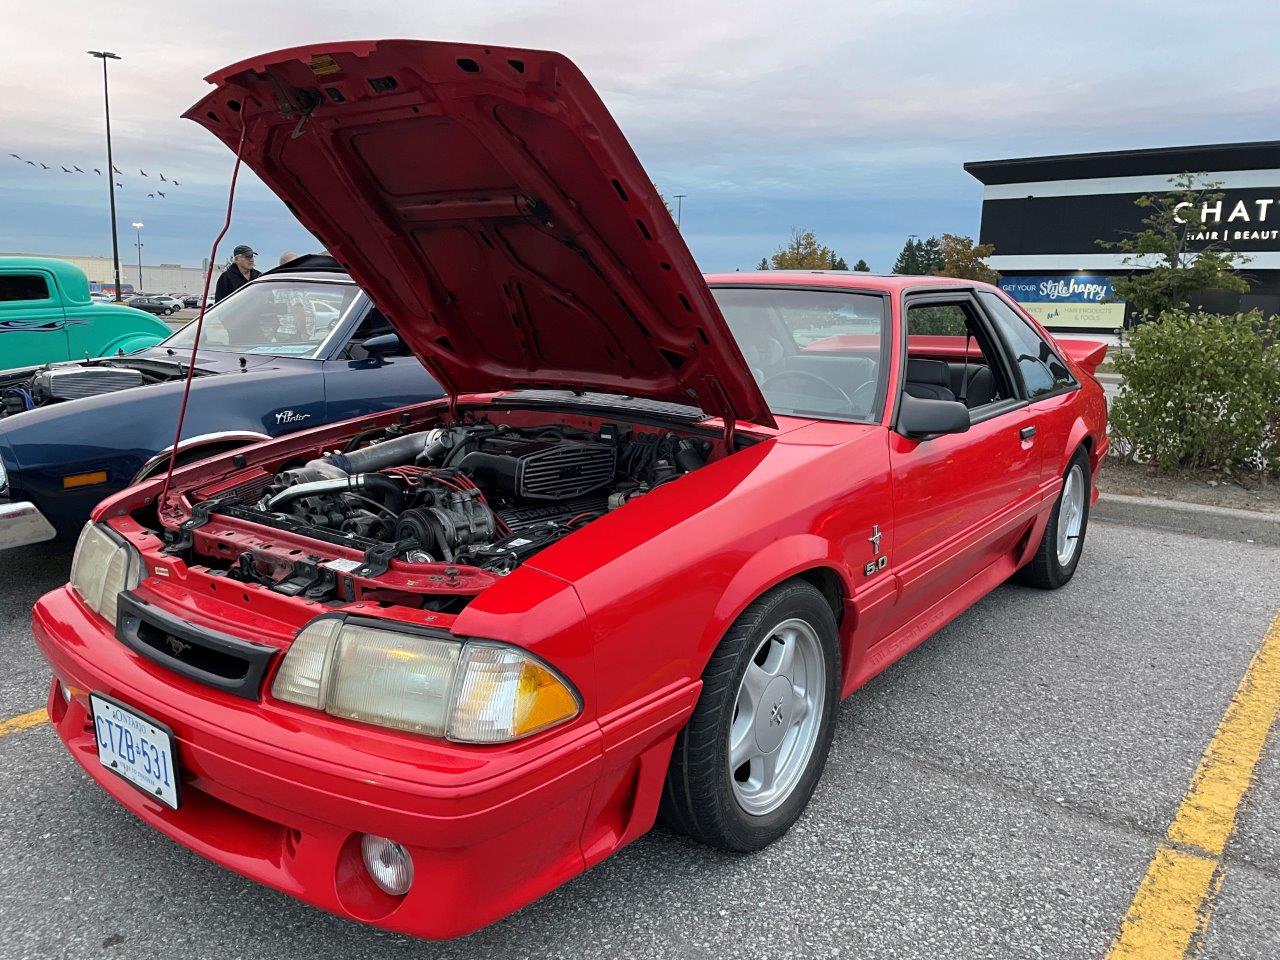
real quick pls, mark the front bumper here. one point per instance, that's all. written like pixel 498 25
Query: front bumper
pixel 22 523
pixel 490 829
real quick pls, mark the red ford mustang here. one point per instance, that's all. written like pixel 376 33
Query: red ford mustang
pixel 420 668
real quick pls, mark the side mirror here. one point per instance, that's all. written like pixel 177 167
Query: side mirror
pixel 921 419
pixel 382 346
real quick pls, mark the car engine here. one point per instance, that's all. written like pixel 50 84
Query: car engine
pixel 484 495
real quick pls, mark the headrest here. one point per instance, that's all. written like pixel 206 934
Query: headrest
pixel 929 371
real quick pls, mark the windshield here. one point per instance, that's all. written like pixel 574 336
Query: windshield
pixel 814 353
pixel 283 318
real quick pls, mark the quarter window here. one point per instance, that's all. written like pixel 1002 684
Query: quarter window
pixel 23 286
pixel 1042 369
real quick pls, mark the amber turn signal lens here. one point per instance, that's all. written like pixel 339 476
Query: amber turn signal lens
pixel 84 479
pixel 505 694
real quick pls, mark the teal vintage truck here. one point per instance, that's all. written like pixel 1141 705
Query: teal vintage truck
pixel 46 315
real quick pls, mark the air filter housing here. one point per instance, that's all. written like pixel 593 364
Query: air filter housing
pixel 542 469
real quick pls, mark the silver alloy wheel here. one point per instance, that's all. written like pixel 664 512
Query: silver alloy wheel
pixel 777 716
pixel 1071 514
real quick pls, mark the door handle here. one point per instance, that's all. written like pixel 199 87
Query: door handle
pixel 1026 433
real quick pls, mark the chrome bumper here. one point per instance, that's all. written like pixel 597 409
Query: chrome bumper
pixel 21 524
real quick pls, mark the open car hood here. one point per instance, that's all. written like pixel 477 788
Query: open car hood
pixel 489 204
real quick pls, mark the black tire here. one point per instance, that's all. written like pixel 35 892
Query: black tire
pixel 1045 570
pixel 698 799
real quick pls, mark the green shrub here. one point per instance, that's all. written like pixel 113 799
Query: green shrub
pixel 1201 390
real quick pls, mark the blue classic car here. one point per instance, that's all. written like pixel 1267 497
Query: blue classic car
pixel 300 346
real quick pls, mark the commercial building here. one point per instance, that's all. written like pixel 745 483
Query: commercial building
pixel 1045 216
pixel 157 278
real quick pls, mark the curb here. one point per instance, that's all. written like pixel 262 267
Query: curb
pixel 1218 523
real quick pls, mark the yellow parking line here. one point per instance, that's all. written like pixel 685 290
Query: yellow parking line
pixel 1175 897
pixel 23 721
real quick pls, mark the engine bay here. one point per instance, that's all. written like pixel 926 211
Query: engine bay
pixel 455 505
pixel 60 382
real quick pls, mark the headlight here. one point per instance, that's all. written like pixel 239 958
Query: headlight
pixel 472 692
pixel 104 565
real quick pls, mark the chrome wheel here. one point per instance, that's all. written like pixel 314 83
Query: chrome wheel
pixel 777 716
pixel 1071 515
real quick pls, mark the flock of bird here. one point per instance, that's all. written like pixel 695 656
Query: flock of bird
pixel 120 173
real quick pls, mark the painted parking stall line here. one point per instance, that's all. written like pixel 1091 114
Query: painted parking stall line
pixel 24 721
pixel 1175 898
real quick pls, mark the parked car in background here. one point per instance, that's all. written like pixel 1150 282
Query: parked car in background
pixel 150 304
pixel 158 304
pixel 47 314
pixel 300 346
pixel 191 301
pixel 424 666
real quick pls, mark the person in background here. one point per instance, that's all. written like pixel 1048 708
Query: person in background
pixel 240 272
pixel 286 257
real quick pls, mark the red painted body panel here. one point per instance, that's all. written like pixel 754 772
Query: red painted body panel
pixel 628 607
pixel 532 250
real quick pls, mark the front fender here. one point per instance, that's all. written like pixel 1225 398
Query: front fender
pixel 780 561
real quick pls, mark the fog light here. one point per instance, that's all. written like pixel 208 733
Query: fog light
pixel 66 694
pixel 388 863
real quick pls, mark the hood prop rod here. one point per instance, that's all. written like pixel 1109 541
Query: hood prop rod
pixel 730 430
pixel 204 306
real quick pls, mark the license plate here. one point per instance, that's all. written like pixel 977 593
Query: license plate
pixel 137 748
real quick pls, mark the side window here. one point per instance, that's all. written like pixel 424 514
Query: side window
pixel 23 286
pixel 1042 370
pixel 948 320
pixel 951 356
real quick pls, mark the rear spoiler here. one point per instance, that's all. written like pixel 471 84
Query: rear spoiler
pixel 1086 353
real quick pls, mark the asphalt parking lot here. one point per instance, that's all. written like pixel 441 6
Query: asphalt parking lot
pixel 999 793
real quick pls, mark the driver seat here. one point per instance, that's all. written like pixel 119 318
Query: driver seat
pixel 929 380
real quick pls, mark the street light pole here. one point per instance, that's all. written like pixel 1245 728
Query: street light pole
pixel 137 228
pixel 679 207
pixel 104 56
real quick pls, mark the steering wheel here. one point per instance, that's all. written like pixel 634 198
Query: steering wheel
pixel 823 382
pixel 865 395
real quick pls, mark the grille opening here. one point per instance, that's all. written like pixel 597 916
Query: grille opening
pixel 213 662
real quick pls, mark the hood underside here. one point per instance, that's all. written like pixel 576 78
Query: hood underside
pixel 487 201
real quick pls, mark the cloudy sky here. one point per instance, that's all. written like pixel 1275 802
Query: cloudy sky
pixel 851 118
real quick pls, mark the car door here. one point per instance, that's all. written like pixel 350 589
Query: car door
pixel 961 501
pixel 357 383
pixel 1046 380
pixel 32 321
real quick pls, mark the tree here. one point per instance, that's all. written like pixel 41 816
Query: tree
pixel 837 263
pixel 1166 271
pixel 919 257
pixel 803 252
pixel 763 264
pixel 964 259
pixel 861 267
pixel 931 256
pixel 908 261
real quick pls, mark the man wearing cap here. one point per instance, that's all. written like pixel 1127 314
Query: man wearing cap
pixel 236 275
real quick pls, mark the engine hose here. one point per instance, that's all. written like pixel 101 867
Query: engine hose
pixel 364 482
pixel 388 453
